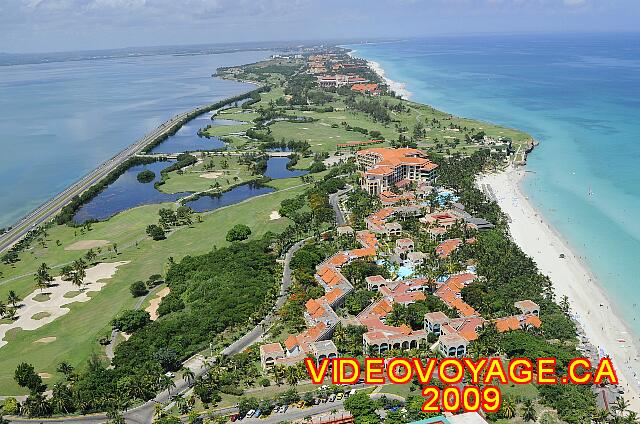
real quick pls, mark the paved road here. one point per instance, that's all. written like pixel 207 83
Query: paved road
pixel 143 414
pixel 48 210
pixel 334 200
pixel 293 413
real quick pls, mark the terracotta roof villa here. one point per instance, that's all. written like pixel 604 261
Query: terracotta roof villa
pixel 454 333
pixel 383 167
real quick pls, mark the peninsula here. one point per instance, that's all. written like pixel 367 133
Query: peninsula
pixel 319 215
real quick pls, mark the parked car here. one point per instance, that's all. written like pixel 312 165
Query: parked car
pixel 257 414
pixel 332 398
pixel 339 396
pixel 234 417
pixel 250 413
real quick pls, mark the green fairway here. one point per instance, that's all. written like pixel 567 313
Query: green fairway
pixel 77 333
pixel 215 172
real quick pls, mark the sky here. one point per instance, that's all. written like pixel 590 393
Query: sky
pixel 28 26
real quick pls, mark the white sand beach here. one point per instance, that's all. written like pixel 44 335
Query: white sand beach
pixel 400 88
pixel 570 277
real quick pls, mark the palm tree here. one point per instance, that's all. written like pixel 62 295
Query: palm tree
pixel 79 272
pixel 528 412
pixel 66 272
pixel 292 376
pixel 42 277
pixel 631 418
pixel 3 308
pixel 508 409
pixel 621 406
pixel 65 368
pixel 600 416
pixel 279 372
pixel 77 278
pixel 188 375
pixel 167 383
pixel 13 298
pixel 11 313
pixel 90 255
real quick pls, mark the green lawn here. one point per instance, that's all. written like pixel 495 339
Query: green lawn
pixel 77 332
pixel 215 169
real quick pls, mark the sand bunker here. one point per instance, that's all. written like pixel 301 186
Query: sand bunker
pixel 46 340
pixel 211 175
pixel 155 303
pixel 87 244
pixel 274 215
pixel 55 306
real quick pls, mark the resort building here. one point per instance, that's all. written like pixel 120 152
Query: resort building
pixel 327 81
pixel 383 168
pixel 403 247
pixel 447 247
pixel 448 418
pixel 269 353
pixel 453 345
pixel 454 333
pixel 371 89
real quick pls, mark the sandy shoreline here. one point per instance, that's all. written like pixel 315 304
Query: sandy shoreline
pixel 399 88
pixel 570 278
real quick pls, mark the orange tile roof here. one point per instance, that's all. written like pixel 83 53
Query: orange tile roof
pixel 291 342
pixel 364 87
pixel 445 248
pixel 382 308
pixel 339 259
pixel 533 320
pixel 507 323
pixel 333 295
pixel 272 348
pixel 313 306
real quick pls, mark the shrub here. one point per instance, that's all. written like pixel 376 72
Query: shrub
pixel 238 232
pixel 131 320
pixel 155 232
pixel 146 176
pixel 138 289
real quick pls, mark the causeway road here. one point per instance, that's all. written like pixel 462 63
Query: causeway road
pixel 51 208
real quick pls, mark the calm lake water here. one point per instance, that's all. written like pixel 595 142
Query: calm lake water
pixel 126 193
pixel 277 168
pixel 60 120
pixel 235 195
pixel 186 139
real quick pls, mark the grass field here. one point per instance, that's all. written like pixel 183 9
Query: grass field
pixel 77 332
pixel 214 172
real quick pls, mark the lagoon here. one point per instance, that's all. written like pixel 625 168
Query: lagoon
pixel 61 119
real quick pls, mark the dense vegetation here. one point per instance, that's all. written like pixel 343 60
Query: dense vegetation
pixel 210 294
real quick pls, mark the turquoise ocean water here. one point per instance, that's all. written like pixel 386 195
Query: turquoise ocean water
pixel 61 118
pixel 578 95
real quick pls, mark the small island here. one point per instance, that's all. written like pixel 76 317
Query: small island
pixel 146 176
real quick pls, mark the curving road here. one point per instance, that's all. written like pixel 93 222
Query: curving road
pixel 143 414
